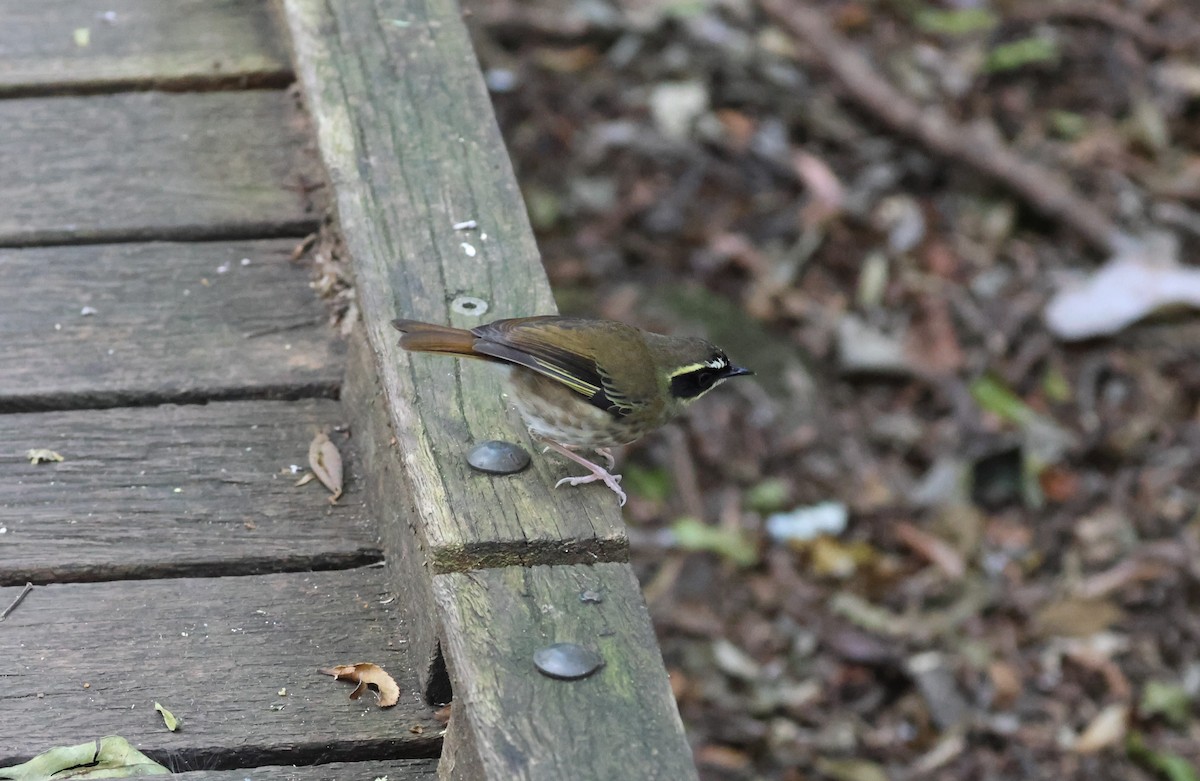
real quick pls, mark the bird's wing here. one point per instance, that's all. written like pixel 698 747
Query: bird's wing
pixel 531 342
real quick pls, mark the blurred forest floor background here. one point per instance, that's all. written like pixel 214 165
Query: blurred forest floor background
pixel 952 531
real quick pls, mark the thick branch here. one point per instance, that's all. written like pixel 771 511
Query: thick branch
pixel 1041 189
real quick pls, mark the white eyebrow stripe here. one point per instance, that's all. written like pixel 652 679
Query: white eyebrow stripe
pixel 717 363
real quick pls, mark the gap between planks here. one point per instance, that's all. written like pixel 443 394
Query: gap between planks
pixel 86 660
pixel 139 324
pixel 177 491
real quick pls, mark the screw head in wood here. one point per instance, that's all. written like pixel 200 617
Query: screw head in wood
pixel 469 305
pixel 567 661
pixel 498 458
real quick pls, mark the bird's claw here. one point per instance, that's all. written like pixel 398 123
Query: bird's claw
pixel 607 455
pixel 600 474
pixel 597 472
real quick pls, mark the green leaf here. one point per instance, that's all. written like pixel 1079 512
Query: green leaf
pixel 960 22
pixel 110 757
pixel 1017 54
pixel 1067 124
pixel 683 9
pixel 652 484
pixel 1168 700
pixel 1172 767
pixel 544 207
pixel 769 495
pixel 990 394
pixel 735 546
pixel 168 718
pixel 1055 385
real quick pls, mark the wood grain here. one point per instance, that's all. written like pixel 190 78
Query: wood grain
pixel 162 324
pixel 151 165
pixel 87 660
pixel 395 770
pixel 407 559
pixel 619 723
pixel 406 132
pixel 139 44
pixel 174 490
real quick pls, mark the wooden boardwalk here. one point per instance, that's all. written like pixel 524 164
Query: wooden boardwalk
pixel 155 332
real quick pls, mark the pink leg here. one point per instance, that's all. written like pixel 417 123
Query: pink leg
pixel 597 472
pixel 607 455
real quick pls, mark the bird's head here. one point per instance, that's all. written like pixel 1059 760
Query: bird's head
pixel 691 367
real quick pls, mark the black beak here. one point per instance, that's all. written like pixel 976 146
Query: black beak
pixel 737 371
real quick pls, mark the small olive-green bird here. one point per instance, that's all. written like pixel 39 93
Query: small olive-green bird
pixel 584 383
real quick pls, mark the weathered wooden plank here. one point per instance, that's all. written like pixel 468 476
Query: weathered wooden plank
pixel 152 165
pixel 174 490
pixel 619 723
pixel 87 660
pixel 404 125
pixel 366 404
pixel 460 756
pixel 146 323
pixel 394 770
pixel 138 44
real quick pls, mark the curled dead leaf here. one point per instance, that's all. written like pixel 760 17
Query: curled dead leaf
pixel 169 719
pixel 367 674
pixel 326 463
pixel 42 455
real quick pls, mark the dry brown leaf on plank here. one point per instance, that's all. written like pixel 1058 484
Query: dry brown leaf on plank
pixel 367 674
pixel 326 463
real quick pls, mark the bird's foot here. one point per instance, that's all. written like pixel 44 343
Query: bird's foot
pixel 597 472
pixel 607 455
pixel 600 473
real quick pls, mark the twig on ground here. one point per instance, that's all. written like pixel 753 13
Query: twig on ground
pixel 939 133
pixel 24 593
pixel 1116 18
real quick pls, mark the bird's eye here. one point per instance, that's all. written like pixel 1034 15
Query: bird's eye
pixel 693 384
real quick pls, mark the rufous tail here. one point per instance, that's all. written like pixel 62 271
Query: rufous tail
pixel 421 337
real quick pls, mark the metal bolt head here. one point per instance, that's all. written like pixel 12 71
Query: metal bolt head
pixel 498 458
pixel 567 661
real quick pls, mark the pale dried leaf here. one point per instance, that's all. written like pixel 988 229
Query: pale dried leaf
pixel 1142 279
pixel 1107 729
pixel 1073 617
pixel 326 463
pixel 169 719
pixel 825 189
pixel 42 455
pixel 367 674
pixel 851 769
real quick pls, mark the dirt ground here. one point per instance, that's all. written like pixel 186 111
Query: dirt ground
pixel 951 530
